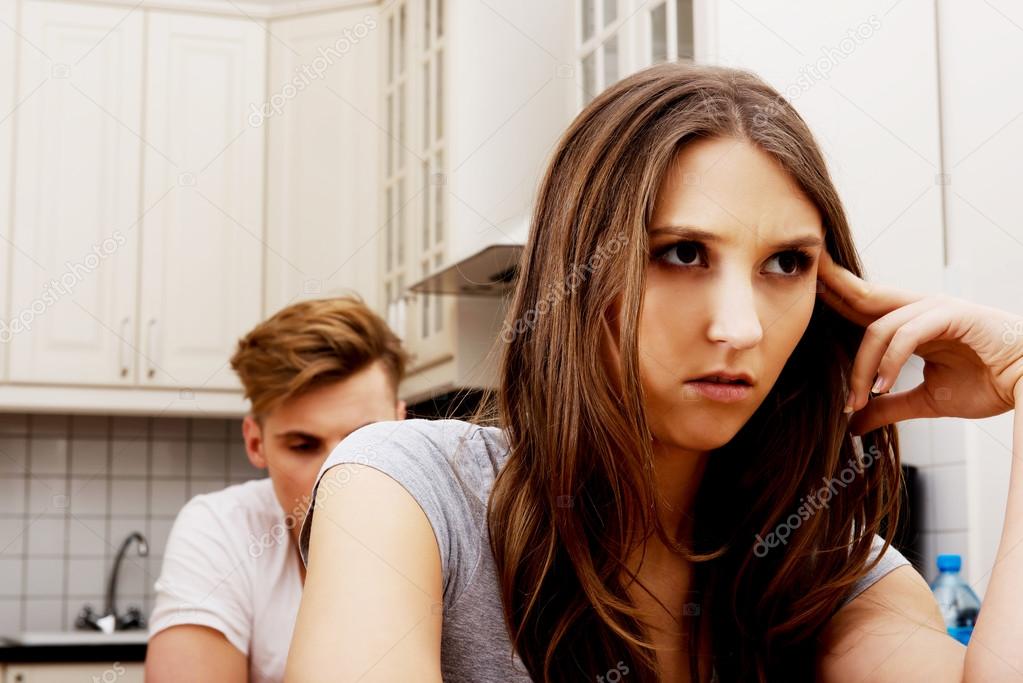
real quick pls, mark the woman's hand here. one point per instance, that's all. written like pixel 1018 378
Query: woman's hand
pixel 973 354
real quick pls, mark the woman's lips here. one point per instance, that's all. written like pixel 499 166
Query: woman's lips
pixel 720 391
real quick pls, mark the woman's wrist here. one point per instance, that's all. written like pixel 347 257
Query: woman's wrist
pixel 1017 392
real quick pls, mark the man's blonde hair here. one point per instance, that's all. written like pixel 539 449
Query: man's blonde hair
pixel 310 344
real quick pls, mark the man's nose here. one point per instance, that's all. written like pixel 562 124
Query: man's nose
pixel 733 318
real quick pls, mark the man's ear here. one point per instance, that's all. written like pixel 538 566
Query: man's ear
pixel 400 411
pixel 252 432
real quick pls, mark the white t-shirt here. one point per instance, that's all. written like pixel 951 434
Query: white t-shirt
pixel 230 564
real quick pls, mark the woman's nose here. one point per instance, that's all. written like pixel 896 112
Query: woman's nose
pixel 734 319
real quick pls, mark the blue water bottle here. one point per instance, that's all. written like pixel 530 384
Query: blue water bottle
pixel 959 604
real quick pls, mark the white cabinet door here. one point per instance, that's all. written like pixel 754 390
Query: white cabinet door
pixel 202 235
pixel 9 16
pixel 76 194
pixel 322 217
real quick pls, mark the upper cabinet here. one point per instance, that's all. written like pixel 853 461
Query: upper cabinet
pixel 135 249
pixel 74 243
pixel 202 228
pixel 414 194
pixel 8 15
pixel 615 38
pixel 322 117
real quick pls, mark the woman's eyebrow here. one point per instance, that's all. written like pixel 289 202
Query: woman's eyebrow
pixel 699 235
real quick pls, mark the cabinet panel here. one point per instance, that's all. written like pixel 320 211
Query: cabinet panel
pixel 202 238
pixel 76 197
pixel 9 16
pixel 322 218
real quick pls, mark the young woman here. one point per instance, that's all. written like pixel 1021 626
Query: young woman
pixel 673 490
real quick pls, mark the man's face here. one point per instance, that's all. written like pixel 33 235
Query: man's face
pixel 296 437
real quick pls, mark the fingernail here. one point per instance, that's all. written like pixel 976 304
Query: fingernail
pixel 877 385
pixel 850 399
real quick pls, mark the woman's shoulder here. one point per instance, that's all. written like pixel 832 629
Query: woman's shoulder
pixel 436 449
pixel 447 466
pixel 890 560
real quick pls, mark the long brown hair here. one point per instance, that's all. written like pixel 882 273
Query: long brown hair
pixel 576 493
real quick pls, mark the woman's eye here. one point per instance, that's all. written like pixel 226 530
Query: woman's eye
pixel 792 263
pixel 682 254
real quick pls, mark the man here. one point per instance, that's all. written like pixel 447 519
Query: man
pixel 231 583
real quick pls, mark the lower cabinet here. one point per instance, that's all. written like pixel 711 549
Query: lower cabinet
pixel 95 672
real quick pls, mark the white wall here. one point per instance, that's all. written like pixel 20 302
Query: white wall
pixel 905 167
pixel 982 108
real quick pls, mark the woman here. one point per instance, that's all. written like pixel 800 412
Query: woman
pixel 673 491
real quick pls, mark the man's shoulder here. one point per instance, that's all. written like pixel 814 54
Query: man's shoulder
pixel 247 505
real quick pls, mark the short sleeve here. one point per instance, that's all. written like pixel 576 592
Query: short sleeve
pixel 892 559
pixel 438 463
pixel 203 581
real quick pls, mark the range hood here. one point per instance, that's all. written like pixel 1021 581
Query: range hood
pixel 489 272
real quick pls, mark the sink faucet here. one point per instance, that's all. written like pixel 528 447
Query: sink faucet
pixel 111 621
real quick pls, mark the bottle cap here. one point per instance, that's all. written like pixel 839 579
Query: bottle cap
pixel 949 563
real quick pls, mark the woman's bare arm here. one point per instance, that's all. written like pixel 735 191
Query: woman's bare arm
pixel 996 652
pixel 372 602
pixel 894 632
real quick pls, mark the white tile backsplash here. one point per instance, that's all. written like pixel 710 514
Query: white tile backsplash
pixel 88 495
pixel 89 457
pixel 12 496
pixel 168 458
pixel 46 495
pixel 167 496
pixel 46 536
pixel 128 497
pixel 12 536
pixel 208 459
pixel 73 487
pixel 48 456
pixel 86 575
pixel 44 577
pixel 13 456
pixel 87 537
pixel 11 571
pixel 129 457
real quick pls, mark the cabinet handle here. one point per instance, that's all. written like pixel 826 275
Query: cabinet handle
pixel 124 343
pixel 149 349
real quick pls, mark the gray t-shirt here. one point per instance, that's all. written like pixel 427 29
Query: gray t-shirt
pixel 449 466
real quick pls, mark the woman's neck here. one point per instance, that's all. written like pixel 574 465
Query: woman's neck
pixel 678 473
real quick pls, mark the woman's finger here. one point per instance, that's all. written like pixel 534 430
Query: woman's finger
pixel 892 408
pixel 855 298
pixel 876 346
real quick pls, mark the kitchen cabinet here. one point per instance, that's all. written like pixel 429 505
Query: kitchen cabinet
pixel 76 196
pixel 128 672
pixel 324 138
pixel 474 101
pixel 8 15
pixel 135 253
pixel 202 233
